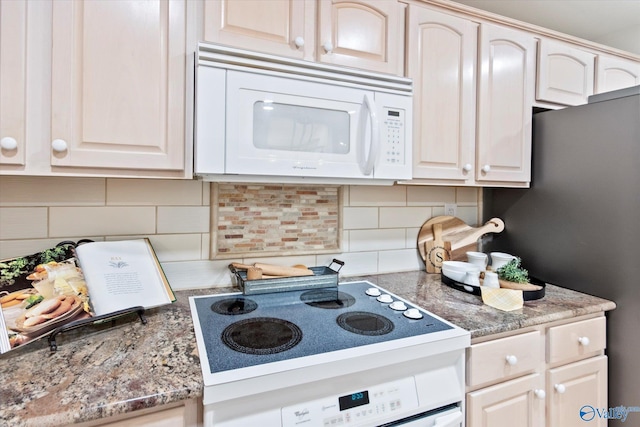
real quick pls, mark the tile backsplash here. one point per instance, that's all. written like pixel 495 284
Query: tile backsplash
pixel 379 224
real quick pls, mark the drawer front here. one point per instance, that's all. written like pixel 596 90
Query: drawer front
pixel 582 338
pixel 503 358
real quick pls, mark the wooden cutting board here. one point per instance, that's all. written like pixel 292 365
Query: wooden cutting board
pixel 462 236
pixel 436 250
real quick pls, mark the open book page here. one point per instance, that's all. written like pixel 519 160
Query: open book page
pixel 123 274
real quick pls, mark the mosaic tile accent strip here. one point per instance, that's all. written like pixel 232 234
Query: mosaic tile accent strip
pixel 268 219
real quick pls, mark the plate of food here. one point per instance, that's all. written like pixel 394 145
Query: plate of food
pixel 48 314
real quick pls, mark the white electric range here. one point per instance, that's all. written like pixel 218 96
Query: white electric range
pixel 355 355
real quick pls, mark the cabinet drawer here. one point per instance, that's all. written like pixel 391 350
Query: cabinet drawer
pixel 576 339
pixel 503 358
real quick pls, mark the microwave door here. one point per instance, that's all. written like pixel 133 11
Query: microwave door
pixel 288 127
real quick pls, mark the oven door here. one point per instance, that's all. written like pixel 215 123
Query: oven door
pixel 449 416
pixel 289 127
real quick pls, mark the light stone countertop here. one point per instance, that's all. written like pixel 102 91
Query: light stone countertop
pixel 108 370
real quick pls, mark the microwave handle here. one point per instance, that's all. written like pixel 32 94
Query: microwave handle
pixel 367 164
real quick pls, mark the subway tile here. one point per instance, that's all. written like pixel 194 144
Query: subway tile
pixel 183 219
pixel 369 195
pixel 399 260
pixel 355 263
pixel 359 218
pixel 376 240
pixel 418 195
pixel 101 221
pixel 468 214
pixel 22 247
pixel 197 274
pixel 205 246
pixel 404 217
pixel 177 247
pixel 412 237
pixel 51 191
pixel 153 192
pixel 468 195
pixel 23 223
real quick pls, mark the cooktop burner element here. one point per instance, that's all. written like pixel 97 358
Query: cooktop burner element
pixel 261 335
pixel 234 306
pixel 349 323
pixel 327 298
pixel 363 323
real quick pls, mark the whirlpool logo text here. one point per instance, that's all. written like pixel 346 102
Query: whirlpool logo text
pixel 589 413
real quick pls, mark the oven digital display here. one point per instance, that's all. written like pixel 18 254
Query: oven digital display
pixel 353 400
pixel 393 113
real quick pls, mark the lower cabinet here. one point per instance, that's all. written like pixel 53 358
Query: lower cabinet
pixel 518 402
pixel 577 391
pixel 552 375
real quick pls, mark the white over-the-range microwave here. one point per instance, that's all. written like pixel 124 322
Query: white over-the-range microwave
pixel 264 118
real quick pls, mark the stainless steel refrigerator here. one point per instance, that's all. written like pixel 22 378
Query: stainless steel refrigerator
pixel 578 226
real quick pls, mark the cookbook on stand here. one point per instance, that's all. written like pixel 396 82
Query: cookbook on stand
pixel 75 281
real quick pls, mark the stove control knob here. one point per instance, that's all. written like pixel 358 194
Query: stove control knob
pixel 413 313
pixel 398 306
pixel 373 292
pixel 385 298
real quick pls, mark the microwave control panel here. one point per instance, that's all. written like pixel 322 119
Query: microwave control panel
pixel 392 133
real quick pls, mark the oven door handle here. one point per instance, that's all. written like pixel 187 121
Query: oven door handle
pixel 366 165
pixel 450 420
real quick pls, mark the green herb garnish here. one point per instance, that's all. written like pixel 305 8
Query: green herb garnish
pixel 513 272
pixel 33 300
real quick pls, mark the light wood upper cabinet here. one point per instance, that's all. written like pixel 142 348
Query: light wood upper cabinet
pixel 118 84
pixel 613 73
pixel 13 63
pixel 505 100
pixel 281 27
pixel 565 73
pixel 441 58
pixel 365 34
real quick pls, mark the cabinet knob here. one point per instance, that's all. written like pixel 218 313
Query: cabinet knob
pixel 59 145
pixel 584 341
pixel 511 359
pixel 299 42
pixel 328 47
pixel 467 167
pixel 539 393
pixel 560 388
pixel 486 169
pixel 8 143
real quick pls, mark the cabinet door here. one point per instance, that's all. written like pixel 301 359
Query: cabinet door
pixel 13 61
pixel 365 34
pixel 118 84
pixel 565 74
pixel 577 392
pixel 441 58
pixel 517 402
pixel 281 27
pixel 614 73
pixel 507 82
